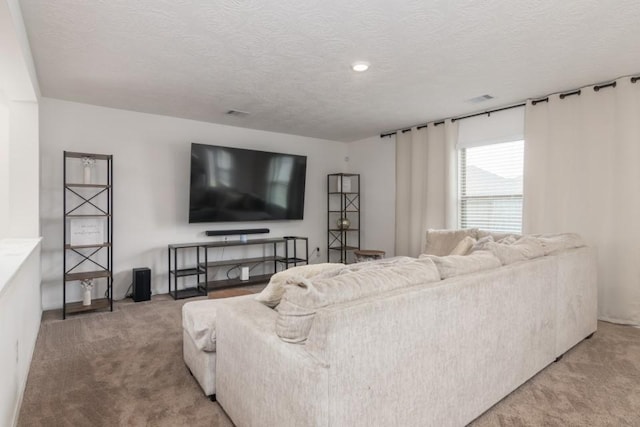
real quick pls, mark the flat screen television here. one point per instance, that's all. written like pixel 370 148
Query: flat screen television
pixel 234 184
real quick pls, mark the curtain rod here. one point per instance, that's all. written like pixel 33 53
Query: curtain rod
pixel 488 112
pixel 563 95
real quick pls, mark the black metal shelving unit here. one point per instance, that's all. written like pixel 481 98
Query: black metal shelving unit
pixel 343 202
pixel 91 201
pixel 284 252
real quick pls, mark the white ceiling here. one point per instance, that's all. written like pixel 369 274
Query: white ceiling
pixel 287 62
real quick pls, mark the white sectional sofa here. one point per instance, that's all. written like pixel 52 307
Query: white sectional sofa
pixel 376 345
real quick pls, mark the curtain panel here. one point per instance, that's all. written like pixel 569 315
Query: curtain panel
pixel 426 184
pixel 582 174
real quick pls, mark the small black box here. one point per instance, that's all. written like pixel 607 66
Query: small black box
pixel 141 284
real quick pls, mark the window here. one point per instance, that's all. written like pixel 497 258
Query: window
pixel 491 186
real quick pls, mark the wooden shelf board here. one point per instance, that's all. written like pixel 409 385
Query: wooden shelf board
pixel 344 211
pixel 292 260
pixel 228 243
pixel 77 155
pixel 241 243
pixel 343 192
pixel 96 304
pixel 343 229
pixel 87 275
pixel 348 248
pixel 87 185
pixel 103 245
pixel 183 272
pixel 86 216
pixel 241 261
pixel 188 293
pixel 228 283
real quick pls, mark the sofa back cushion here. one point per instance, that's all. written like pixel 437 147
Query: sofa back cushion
pixel 457 265
pixel 554 243
pixel 272 293
pixel 497 236
pixel 302 299
pixel 527 247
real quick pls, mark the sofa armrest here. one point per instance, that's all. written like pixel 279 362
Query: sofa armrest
pixel 262 380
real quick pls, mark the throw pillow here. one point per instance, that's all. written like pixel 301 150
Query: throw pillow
pixel 442 242
pixel 464 246
pixel 272 293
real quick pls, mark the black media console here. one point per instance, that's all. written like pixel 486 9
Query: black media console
pixel 279 252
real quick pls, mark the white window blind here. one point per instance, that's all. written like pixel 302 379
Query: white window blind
pixel 491 186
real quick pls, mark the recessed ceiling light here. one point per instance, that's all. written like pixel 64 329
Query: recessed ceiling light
pixel 360 66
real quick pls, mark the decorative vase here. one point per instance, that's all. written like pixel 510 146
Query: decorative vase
pixel 87 285
pixel 87 175
pixel 343 223
pixel 88 163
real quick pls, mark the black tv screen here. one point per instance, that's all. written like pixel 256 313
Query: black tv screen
pixel 234 184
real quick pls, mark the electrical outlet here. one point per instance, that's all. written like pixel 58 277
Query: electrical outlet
pixel 318 252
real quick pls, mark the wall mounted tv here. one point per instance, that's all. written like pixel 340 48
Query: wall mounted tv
pixel 233 184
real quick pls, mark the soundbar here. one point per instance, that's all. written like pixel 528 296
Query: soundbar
pixel 235 232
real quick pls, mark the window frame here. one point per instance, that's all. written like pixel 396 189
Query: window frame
pixel 463 199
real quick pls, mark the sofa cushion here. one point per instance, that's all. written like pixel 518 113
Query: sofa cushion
pixel 481 242
pixel 272 293
pixel 199 321
pixel 527 247
pixel 376 264
pixel 301 300
pixel 553 243
pixel 442 242
pixel 464 246
pixel 497 236
pixel 456 265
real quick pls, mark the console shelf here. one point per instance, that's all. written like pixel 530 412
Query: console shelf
pixel 283 252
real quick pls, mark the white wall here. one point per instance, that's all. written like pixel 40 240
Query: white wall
pixel 151 185
pixel 374 159
pixel 20 307
pixel 4 167
pixel 23 170
pixel 19 169
pixel 20 313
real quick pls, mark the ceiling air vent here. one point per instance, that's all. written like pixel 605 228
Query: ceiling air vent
pixel 479 99
pixel 237 113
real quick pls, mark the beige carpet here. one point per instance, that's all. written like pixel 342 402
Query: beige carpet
pixel 125 368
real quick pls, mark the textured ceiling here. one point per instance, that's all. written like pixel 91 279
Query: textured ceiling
pixel 287 62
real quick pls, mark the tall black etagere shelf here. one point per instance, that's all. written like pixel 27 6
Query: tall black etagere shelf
pixel 343 216
pixel 86 201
